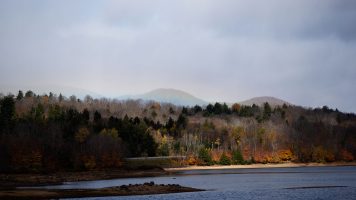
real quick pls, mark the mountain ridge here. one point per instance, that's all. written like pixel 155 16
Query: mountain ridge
pixel 169 95
pixel 182 98
pixel 273 101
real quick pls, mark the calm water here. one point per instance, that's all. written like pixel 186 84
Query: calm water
pixel 275 183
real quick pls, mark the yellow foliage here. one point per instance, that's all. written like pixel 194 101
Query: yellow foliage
pixel 89 162
pixel 81 135
pixel 319 154
pixel 110 132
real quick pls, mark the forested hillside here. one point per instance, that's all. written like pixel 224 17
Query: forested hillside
pixel 43 133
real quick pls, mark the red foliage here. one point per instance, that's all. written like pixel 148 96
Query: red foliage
pixel 346 155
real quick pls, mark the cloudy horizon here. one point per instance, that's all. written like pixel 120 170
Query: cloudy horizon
pixel 300 51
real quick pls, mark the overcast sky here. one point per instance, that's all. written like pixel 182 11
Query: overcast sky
pixel 301 51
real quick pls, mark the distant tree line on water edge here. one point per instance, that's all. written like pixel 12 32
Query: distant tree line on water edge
pixel 44 133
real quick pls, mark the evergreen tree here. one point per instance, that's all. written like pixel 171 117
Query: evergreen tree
pixel 237 157
pixel 29 94
pixel 60 97
pixel 266 111
pixel 19 95
pixel 197 109
pixel 224 160
pixel 205 157
pixel 7 113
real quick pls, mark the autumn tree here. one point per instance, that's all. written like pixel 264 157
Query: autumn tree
pixel 81 135
pixel 236 108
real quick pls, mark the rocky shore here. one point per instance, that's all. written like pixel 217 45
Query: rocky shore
pixel 123 190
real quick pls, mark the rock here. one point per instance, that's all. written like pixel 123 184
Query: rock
pixel 124 187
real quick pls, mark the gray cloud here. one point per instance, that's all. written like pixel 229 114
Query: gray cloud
pixel 302 51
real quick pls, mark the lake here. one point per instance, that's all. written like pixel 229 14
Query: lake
pixel 270 183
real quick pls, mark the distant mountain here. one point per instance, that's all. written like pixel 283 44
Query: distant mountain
pixel 173 96
pixel 261 100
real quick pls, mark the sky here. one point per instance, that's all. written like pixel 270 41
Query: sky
pixel 301 51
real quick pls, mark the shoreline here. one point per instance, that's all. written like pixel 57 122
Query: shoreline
pixel 10 182
pixel 13 180
pixel 123 190
pixel 260 166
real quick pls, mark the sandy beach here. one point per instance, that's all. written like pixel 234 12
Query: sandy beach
pixel 252 166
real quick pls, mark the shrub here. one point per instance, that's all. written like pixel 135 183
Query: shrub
pixel 346 155
pixel 285 155
pixel 319 154
pixel 192 161
pixel 330 156
pixel 224 160
pixel 205 157
pixel 89 162
pixel 237 157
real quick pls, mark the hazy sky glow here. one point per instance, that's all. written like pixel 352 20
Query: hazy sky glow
pixel 223 50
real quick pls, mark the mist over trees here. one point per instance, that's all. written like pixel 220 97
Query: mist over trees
pixel 49 132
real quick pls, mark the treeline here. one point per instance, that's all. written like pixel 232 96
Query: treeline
pixel 47 133
pixel 260 113
pixel 267 134
pixel 50 132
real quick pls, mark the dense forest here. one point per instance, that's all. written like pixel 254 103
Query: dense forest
pixel 49 132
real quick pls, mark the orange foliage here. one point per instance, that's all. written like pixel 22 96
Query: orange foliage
pixel 285 155
pixel 330 156
pixel 346 155
pixel 192 160
pixel 45 99
pixel 266 157
pixel 319 154
pixel 246 153
pixel 215 155
pixel 236 107
pixel 29 160
pixel 156 106
pixel 110 160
